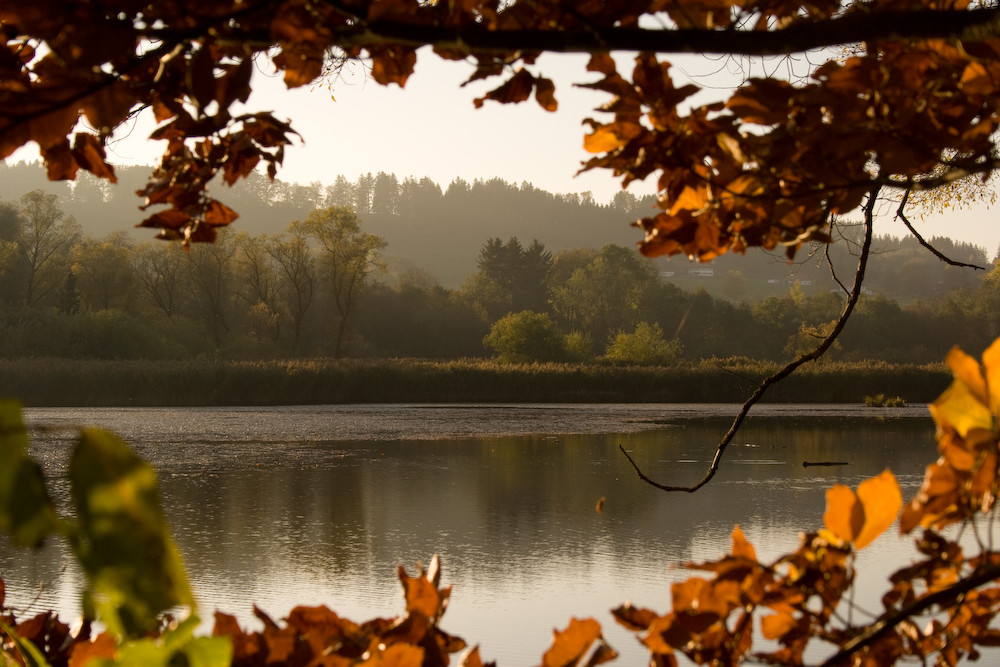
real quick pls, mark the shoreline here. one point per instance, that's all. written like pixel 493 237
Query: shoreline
pixel 189 383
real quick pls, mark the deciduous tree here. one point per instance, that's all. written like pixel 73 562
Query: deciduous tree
pixel 44 239
pixel 348 256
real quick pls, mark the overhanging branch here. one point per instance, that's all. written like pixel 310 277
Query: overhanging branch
pixel 790 368
pixel 934 251
pixel 854 27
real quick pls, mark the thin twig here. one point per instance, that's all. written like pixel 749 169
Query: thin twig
pixel 932 249
pixel 816 353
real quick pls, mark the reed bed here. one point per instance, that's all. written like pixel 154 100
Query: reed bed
pixel 64 383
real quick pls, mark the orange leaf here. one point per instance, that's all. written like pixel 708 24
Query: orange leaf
pixel 421 595
pixel 397 655
pixel 103 647
pixel 881 499
pixel 570 645
pixel 844 516
pixel 741 547
pixel 777 625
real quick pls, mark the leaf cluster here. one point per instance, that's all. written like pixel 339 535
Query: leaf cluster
pixel 915 108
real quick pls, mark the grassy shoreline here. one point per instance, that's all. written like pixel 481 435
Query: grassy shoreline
pixel 93 383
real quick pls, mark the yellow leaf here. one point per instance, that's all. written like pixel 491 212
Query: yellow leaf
pixel 967 371
pixel 959 407
pixel 731 146
pixel 881 499
pixel 991 366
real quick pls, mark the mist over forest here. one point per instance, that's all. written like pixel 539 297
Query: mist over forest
pixel 455 271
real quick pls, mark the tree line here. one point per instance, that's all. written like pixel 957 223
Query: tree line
pixel 320 287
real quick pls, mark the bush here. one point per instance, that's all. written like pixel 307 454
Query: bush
pixel 524 337
pixel 579 346
pixel 646 346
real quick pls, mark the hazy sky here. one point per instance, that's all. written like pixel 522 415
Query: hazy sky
pixel 431 128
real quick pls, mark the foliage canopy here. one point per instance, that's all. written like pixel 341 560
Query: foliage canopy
pixel 913 106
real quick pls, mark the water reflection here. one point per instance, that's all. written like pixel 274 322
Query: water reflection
pixel 281 520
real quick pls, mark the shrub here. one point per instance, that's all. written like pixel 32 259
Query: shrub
pixel 526 336
pixel 646 346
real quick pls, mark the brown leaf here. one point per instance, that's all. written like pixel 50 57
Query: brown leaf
pixel 59 161
pixel 545 94
pixel 109 106
pixel 217 213
pixel 89 154
pixel 515 89
pixel 633 618
pixel 392 64
pixel 201 76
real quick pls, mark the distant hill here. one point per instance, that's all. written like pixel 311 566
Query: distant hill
pixel 427 227
pixel 441 230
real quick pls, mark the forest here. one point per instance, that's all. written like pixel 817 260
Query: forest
pixel 354 270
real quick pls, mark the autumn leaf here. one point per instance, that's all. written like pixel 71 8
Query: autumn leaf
pixel 741 547
pixel 863 516
pixel 580 638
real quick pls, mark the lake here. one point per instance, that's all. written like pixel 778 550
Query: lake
pixel 319 505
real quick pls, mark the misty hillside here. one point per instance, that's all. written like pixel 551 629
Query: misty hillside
pixel 429 227
pixel 440 230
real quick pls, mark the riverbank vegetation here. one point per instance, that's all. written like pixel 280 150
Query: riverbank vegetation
pixel 62 382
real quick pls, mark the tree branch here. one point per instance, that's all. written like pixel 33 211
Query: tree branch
pixel 816 353
pixel 853 27
pixel 934 251
pixel 876 630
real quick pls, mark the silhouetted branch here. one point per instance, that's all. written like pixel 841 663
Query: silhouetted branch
pixel 790 368
pixel 944 595
pixel 934 251
pixel 849 28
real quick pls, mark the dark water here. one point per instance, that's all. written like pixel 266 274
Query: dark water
pixel 319 505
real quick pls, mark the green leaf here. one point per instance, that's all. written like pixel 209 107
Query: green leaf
pixel 166 649
pixel 27 651
pixel 134 569
pixel 26 511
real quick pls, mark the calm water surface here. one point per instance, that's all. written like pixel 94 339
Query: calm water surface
pixel 319 505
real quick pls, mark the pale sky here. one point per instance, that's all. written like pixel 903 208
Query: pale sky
pixel 431 128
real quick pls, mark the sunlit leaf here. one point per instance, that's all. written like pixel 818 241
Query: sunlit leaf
pixel 26 511
pixel 134 570
pixel 962 409
pixel 582 637
pixel 741 547
pixel 844 515
pixel 775 626
pixel 881 499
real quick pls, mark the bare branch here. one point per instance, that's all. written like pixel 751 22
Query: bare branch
pixel 790 368
pixel 934 251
